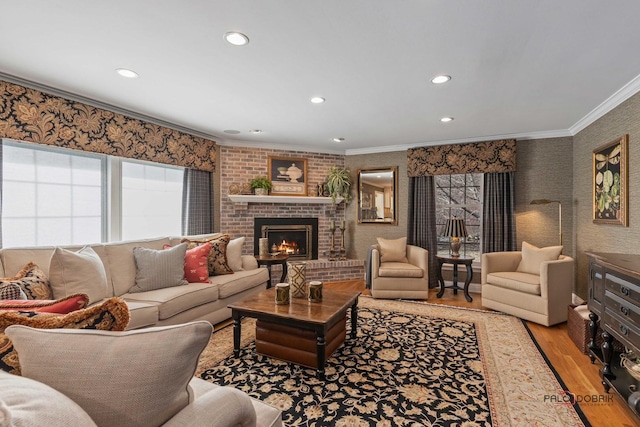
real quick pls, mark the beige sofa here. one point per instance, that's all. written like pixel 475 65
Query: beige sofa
pixel 168 306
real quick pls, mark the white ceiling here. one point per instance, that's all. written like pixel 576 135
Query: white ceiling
pixel 524 69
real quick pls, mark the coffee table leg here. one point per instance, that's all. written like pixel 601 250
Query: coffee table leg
pixel 237 329
pixel 354 319
pixel 320 348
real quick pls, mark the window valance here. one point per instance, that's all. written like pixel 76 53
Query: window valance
pixel 477 157
pixel 30 115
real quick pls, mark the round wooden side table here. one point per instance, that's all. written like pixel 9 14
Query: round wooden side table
pixel 448 259
pixel 269 260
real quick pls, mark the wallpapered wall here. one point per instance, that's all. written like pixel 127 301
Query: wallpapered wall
pixel 624 119
pixel 33 116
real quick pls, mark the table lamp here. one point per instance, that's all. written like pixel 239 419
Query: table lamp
pixel 455 229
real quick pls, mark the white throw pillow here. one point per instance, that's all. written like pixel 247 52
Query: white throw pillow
pixel 393 250
pixel 25 402
pixel 80 272
pixel 533 256
pixel 159 269
pixel 132 378
pixel 234 254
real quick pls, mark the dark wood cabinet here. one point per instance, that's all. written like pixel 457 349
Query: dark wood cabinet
pixel 614 305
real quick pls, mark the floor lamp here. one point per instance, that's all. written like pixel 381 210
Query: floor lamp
pixel 546 202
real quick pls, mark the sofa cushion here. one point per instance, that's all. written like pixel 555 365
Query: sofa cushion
pixel 122 265
pixel 533 256
pixel 141 314
pixel 393 250
pixel 138 380
pixel 32 281
pixel 196 268
pixel 159 269
pixel 399 269
pixel 111 315
pixel 234 253
pixel 25 402
pixel 12 291
pixel 217 260
pixel 60 306
pixel 521 282
pixel 78 272
pixel 173 300
pixel 240 281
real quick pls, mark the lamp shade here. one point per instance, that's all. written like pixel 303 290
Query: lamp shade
pixel 455 228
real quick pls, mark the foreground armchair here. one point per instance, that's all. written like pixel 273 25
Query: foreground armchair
pixel 399 270
pixel 535 284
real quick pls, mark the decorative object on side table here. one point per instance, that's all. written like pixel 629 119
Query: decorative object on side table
pixel 455 229
pixel 263 246
pixel 610 174
pixel 297 278
pixel 343 251
pixel 260 185
pixel 332 251
pixel 339 184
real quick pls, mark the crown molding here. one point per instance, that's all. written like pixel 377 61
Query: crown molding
pixel 283 147
pixel 624 93
pixel 103 105
pixel 517 136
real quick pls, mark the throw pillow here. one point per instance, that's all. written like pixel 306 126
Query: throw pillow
pixel 159 269
pixel 11 291
pixel 60 306
pixel 80 272
pixel 32 281
pixel 143 388
pixel 195 263
pixel 393 250
pixel 25 402
pixel 111 315
pixel 533 256
pixel 234 254
pixel 217 260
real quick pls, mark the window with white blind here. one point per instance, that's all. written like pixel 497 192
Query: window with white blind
pixel 53 196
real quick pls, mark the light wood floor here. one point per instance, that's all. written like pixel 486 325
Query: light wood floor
pixel 575 368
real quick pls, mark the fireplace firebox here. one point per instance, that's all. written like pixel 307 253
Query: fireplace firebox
pixel 297 237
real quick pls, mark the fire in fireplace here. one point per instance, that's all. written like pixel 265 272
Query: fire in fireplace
pixel 297 237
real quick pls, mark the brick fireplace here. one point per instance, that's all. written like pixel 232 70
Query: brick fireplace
pixel 297 237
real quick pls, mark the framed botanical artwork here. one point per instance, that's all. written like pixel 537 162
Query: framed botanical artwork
pixel 288 176
pixel 610 176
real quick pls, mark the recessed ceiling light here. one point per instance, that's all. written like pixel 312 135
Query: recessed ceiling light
pixel 255 131
pixel 440 79
pixel 236 39
pixel 446 119
pixel 338 139
pixel 130 74
pixel 231 131
pixel 317 100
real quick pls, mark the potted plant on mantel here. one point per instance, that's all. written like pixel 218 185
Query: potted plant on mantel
pixel 339 184
pixel 260 185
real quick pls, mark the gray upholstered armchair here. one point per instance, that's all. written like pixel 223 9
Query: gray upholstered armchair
pixel 535 284
pixel 399 270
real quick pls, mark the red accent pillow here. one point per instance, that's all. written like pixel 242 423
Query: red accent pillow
pixel 60 306
pixel 195 263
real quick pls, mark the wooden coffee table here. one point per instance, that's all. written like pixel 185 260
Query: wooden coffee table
pixel 289 331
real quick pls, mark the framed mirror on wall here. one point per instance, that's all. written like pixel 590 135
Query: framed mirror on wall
pixel 377 195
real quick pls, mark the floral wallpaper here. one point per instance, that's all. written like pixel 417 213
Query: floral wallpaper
pixel 33 116
pixel 478 157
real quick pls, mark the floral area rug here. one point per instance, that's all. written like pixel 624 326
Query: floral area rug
pixel 411 364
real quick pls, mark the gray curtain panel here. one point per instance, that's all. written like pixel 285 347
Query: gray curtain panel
pixel 421 220
pixel 197 202
pixel 498 216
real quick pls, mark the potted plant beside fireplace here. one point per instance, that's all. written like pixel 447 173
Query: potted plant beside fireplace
pixel 339 183
pixel 260 185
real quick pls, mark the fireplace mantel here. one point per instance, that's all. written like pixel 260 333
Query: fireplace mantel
pixel 248 198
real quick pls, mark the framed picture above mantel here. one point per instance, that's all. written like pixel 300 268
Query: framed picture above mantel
pixel 610 176
pixel 288 176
